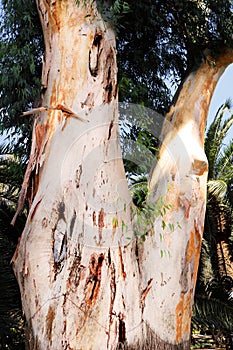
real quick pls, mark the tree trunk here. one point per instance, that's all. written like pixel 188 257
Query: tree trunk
pixel 84 284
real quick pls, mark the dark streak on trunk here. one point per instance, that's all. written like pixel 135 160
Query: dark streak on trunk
pixel 112 272
pixel 94 218
pixel 78 175
pixel 59 240
pixel 146 290
pixel 72 222
pixel 122 330
pixel 110 84
pixel 110 129
pixel 122 269
pixel 94 55
pixel 101 223
pixel 61 211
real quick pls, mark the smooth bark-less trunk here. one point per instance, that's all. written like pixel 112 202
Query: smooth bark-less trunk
pixel 84 284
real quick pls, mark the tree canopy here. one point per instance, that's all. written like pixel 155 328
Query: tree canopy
pixel 158 42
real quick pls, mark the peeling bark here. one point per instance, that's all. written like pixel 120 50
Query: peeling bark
pixel 180 177
pixel 76 280
pixel 83 284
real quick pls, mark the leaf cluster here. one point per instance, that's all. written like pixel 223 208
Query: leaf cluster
pixel 21 49
pixel 159 41
pixel 11 176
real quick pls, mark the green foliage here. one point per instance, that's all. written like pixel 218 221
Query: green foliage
pixel 219 162
pixel 112 11
pixel 138 129
pixel 115 12
pixel 139 191
pixel 147 213
pixel 140 149
pixel 166 41
pixel 11 318
pixel 21 49
pixel 11 177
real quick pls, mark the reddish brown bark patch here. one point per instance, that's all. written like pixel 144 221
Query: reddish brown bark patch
pixel 179 317
pixel 94 279
pixel 49 322
pixel 146 290
pixel 101 224
pixel 121 265
pixel 183 316
pixel 193 252
pixel 94 218
pixel 197 250
pixel 199 167
pixel 41 139
pixel 77 272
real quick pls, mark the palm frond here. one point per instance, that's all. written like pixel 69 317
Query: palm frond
pixel 224 164
pixel 217 188
pixel 212 311
pixel 216 134
pixel 219 214
pixel 225 126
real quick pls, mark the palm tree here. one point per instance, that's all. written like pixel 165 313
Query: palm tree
pixel 218 224
pixel 213 301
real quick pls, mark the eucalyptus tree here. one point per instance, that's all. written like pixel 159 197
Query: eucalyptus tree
pixel 92 272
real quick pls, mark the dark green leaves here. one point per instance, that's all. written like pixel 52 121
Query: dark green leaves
pixel 21 49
